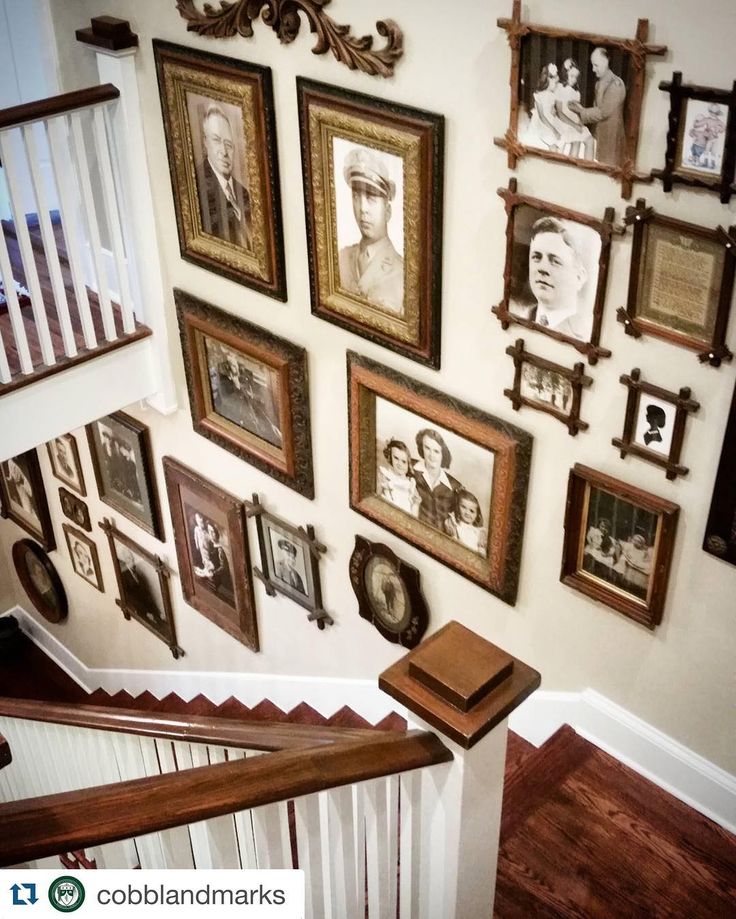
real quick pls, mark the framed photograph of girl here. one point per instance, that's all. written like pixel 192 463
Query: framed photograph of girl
pixel 24 498
pixel 84 557
pixel 65 464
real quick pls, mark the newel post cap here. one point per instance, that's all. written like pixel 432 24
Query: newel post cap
pixel 460 683
pixel 108 33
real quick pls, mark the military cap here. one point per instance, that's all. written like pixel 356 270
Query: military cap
pixel 366 166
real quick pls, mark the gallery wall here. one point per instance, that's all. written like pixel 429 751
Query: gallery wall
pixel 679 677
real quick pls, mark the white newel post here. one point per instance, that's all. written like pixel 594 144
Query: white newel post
pixel 115 48
pixel 464 687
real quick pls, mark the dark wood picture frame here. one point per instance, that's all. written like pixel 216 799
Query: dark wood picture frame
pixel 496 567
pixel 683 405
pixel 255 260
pixel 711 349
pixel 635 50
pixel 581 484
pixel 605 228
pixel 407 631
pixel 309 594
pixel 417 138
pixel 291 461
pixel 140 435
pixel 720 530
pixel 681 93
pixel 72 533
pixel 73 508
pixel 52 603
pixel 229 604
pixel 575 377
pixel 28 464
pixel 76 484
pixel 165 630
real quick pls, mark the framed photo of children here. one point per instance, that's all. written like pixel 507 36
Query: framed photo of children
pixel 221 138
pixel 212 551
pixel 720 531
pixel 618 544
pixel 64 459
pixel 120 448
pixel 24 499
pixel 373 195
pixel 681 282
pixel 576 97
pixel 447 477
pixel 83 553
pixel 248 391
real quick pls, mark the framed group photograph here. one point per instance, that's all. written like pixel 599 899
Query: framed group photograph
pixel 40 580
pixel 618 544
pixel 681 282
pixel 84 557
pixel 212 551
pixel 122 460
pixel 556 271
pixel 143 585
pixel 547 387
pixel 24 499
pixel 720 530
pixel 576 97
pixel 221 137
pixel 701 142
pixel 248 391
pixel 64 459
pixel 445 476
pixel 654 426
pixel 373 178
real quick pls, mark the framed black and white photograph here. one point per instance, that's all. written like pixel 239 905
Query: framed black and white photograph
pixel 75 509
pixel 40 580
pixel 84 557
pixel 65 464
pixel 24 498
pixel 123 464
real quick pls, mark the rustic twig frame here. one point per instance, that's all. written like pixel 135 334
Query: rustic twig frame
pixel 575 378
pixel 720 530
pixel 683 405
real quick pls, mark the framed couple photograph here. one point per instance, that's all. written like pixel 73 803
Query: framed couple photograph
pixel 445 476
pixel 618 544
pixel 248 391
pixel 556 271
pixel 681 283
pixel 221 138
pixel 75 509
pixel 654 425
pixel 720 530
pixel 65 464
pixel 576 97
pixel 212 552
pixel 40 580
pixel 84 557
pixel 122 460
pixel 24 498
pixel 373 179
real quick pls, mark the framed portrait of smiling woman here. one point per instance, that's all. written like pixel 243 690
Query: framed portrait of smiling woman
pixel 373 197
pixel 447 477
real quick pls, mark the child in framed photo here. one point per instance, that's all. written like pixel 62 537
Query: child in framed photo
pixel 65 464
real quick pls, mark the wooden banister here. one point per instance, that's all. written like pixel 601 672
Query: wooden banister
pixel 226 732
pixel 56 105
pixel 37 827
pixel 6 757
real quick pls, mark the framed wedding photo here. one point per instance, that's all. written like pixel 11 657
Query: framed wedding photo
pixel 445 476
pixel 221 138
pixel 373 179
pixel 212 552
pixel 618 544
pixel 24 499
pixel 248 391
pixel 84 557
pixel 720 531
pixel 64 459
pixel 576 97
pixel 122 460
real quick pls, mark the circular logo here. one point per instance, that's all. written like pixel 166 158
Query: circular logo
pixel 66 894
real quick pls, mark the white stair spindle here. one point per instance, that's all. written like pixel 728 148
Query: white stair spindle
pixel 341 847
pixel 214 841
pixel 380 849
pixel 410 784
pixel 309 853
pixel 14 311
pixel 271 833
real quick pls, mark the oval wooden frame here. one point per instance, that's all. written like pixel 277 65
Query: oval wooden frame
pixel 20 551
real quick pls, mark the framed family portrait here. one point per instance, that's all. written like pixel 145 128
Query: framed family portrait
pixel 681 282
pixel 248 391
pixel 576 97
pixel 75 509
pixel 701 142
pixel 720 530
pixel 24 499
pixel 221 137
pixel 64 459
pixel 84 557
pixel 123 463
pixel 556 271
pixel 654 426
pixel 143 585
pixel 547 387
pixel 445 476
pixel 40 580
pixel 373 178
pixel 618 544
pixel 212 551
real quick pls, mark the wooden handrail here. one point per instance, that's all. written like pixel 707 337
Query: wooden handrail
pixel 37 827
pixel 6 757
pixel 57 105
pixel 227 732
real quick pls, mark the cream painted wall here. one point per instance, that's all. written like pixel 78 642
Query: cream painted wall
pixel 679 678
